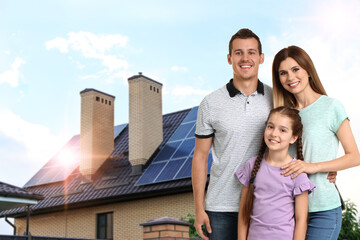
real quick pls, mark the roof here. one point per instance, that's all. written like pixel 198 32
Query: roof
pixel 113 182
pixel 12 196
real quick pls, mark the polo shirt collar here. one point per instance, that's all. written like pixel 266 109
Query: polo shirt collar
pixel 233 90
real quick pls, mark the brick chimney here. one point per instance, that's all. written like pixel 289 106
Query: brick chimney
pixel 96 130
pixel 145 119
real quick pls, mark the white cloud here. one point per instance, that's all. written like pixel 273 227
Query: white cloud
pixel 59 43
pixel 89 77
pixel 40 145
pixel 95 46
pixel 13 75
pixel 188 91
pixel 113 63
pixel 179 69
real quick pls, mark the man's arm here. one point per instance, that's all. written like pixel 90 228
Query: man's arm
pixel 199 177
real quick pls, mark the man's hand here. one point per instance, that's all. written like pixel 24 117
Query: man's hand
pixel 201 219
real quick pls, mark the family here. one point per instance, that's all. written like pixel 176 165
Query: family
pixel 275 150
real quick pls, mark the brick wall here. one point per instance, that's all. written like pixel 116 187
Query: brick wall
pixel 81 223
pixel 165 228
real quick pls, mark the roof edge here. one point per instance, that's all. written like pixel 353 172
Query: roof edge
pixel 143 76
pixel 95 90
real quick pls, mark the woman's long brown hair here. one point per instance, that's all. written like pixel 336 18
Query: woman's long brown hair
pixel 282 97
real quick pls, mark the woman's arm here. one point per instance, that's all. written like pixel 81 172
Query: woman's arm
pixel 350 159
pixel 242 225
pixel 301 212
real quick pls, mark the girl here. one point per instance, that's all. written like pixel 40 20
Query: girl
pixel 268 199
pixel 296 84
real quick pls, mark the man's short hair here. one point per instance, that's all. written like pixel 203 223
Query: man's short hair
pixel 245 33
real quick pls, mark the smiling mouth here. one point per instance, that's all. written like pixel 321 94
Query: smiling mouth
pixel 294 84
pixel 245 66
pixel 273 141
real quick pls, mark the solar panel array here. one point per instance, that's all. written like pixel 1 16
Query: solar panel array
pixel 55 170
pixel 64 162
pixel 174 160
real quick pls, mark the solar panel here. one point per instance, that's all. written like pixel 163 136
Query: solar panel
pixel 192 115
pixel 60 166
pixel 118 129
pixel 64 162
pixel 153 170
pixel 170 170
pixel 167 151
pixel 185 149
pixel 175 156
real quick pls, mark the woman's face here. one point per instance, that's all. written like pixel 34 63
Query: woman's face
pixel 293 77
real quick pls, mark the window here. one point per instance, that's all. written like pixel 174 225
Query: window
pixel 104 226
pixel 98 99
pixel 150 87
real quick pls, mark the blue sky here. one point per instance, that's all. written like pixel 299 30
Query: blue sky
pixel 52 50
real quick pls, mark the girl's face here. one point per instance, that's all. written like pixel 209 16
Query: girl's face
pixel 293 78
pixel 278 132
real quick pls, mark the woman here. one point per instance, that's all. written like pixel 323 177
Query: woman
pixel 296 84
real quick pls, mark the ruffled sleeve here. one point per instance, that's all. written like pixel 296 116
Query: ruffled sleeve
pixel 243 174
pixel 302 184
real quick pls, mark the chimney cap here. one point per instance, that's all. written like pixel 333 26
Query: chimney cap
pixel 143 76
pixel 165 220
pixel 92 89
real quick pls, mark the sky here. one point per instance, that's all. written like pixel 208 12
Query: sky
pixel 52 50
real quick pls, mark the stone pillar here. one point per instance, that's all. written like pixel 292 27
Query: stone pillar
pixel 166 228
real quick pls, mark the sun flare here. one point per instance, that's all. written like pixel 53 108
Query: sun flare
pixel 66 157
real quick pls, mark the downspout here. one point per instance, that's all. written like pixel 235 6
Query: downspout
pixel 27 219
pixel 11 224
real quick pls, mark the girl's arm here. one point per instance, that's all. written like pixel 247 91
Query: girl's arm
pixel 350 159
pixel 301 212
pixel 242 225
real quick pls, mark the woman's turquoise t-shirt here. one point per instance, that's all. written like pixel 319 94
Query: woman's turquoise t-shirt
pixel 321 120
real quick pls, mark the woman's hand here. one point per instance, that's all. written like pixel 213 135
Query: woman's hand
pixel 332 177
pixel 297 167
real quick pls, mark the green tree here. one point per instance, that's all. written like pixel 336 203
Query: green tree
pixel 191 219
pixel 350 228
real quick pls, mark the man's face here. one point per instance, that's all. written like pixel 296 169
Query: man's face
pixel 245 59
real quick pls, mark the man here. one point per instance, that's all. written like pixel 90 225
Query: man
pixel 232 121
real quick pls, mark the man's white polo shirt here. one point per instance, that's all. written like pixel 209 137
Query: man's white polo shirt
pixel 236 123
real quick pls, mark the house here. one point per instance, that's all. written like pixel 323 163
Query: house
pixel 115 177
pixel 13 197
